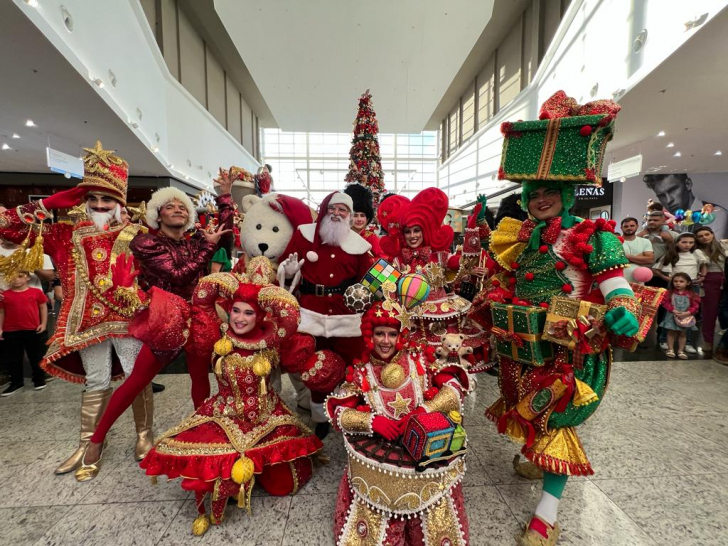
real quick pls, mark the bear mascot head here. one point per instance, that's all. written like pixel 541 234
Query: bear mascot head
pixel 269 222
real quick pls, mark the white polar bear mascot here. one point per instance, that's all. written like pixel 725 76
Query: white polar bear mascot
pixel 268 224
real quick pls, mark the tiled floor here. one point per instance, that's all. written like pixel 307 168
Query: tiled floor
pixel 658 445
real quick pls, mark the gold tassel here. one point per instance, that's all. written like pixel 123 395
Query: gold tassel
pixel 218 366
pixel 584 394
pixel 13 264
pixel 262 389
pixel 34 257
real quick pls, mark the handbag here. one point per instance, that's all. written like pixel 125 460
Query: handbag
pixel 685 322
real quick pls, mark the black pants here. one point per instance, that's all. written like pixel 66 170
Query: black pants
pixel 31 343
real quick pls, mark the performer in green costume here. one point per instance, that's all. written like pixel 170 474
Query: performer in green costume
pixel 554 255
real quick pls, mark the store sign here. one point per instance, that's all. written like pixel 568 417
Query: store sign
pixel 593 196
pixel 632 166
pixel 64 164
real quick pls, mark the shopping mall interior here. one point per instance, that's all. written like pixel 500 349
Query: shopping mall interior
pixel 603 425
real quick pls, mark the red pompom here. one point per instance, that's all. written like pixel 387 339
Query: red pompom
pixel 544 305
pixel 514 265
pixel 585 131
pixel 560 266
pixel 495 283
pixel 588 248
pixel 512 281
pixel 349 378
pixel 566 288
pixel 529 276
pixel 543 249
pixel 365 408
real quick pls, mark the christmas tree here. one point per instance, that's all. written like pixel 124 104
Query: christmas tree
pixel 365 166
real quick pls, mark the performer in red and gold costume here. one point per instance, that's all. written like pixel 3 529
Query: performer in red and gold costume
pixel 394 502
pixel 418 242
pixel 333 257
pixel 173 261
pixel 94 318
pixel 244 433
pixel 363 215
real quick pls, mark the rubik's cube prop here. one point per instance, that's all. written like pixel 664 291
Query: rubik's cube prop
pixel 428 435
pixel 381 272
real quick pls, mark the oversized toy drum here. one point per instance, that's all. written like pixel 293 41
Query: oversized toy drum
pixel 384 476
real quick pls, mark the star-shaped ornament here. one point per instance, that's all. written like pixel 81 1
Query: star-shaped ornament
pixel 379 313
pixel 138 212
pixel 400 406
pixel 78 212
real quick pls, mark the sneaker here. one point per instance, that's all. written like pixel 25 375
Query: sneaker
pixel 48 377
pixel 39 386
pixel 663 345
pixel 11 390
pixel 157 387
pixel 700 351
pixel 690 349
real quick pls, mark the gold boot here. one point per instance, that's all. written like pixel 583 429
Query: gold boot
pixel 93 405
pixel 143 408
pixel 200 525
pixel 532 538
pixel 87 472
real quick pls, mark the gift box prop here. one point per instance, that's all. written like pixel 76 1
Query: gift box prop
pixel 518 332
pixel 576 325
pixel 567 143
pixel 431 437
pixel 381 272
pixel 650 299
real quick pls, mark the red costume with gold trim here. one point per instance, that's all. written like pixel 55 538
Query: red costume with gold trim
pixel 245 432
pixel 91 311
pixel 383 498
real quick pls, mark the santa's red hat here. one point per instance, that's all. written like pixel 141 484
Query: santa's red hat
pixel 335 198
pixel 295 210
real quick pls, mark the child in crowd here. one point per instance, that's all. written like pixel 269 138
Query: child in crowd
pixel 681 304
pixel 685 257
pixel 23 320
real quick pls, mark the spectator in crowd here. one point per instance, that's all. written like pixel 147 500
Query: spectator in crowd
pixel 23 320
pixel 681 304
pixel 660 237
pixel 684 257
pixel 638 250
pixel 716 252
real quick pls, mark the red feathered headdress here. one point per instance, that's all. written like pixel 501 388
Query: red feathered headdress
pixel 389 217
pixel 428 210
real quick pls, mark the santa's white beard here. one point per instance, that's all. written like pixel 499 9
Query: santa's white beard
pixel 104 219
pixel 334 233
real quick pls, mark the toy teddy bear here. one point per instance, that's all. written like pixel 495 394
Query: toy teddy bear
pixel 452 350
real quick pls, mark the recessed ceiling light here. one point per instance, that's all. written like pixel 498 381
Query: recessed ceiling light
pixel 29 123
pixel 32 3
pixel 661 133
pixel 6 147
pixel 677 154
pixel 670 145
pixel 718 153
pixel 16 135
pixel 154 149
pixel 99 83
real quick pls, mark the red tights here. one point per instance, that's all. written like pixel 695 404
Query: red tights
pixel 146 366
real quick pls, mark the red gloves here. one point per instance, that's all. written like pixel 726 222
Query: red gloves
pixel 65 199
pixel 386 427
pixel 122 274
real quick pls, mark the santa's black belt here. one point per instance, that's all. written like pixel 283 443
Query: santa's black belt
pixel 310 288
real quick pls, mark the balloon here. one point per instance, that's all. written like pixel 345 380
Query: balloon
pixel 696 217
pixel 358 298
pixel 707 218
pixel 679 215
pixel 642 274
pixel 413 289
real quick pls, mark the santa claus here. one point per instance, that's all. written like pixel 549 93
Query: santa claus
pixel 332 258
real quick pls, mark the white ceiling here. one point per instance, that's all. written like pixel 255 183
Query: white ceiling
pixel 38 83
pixel 686 98
pixel 311 60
